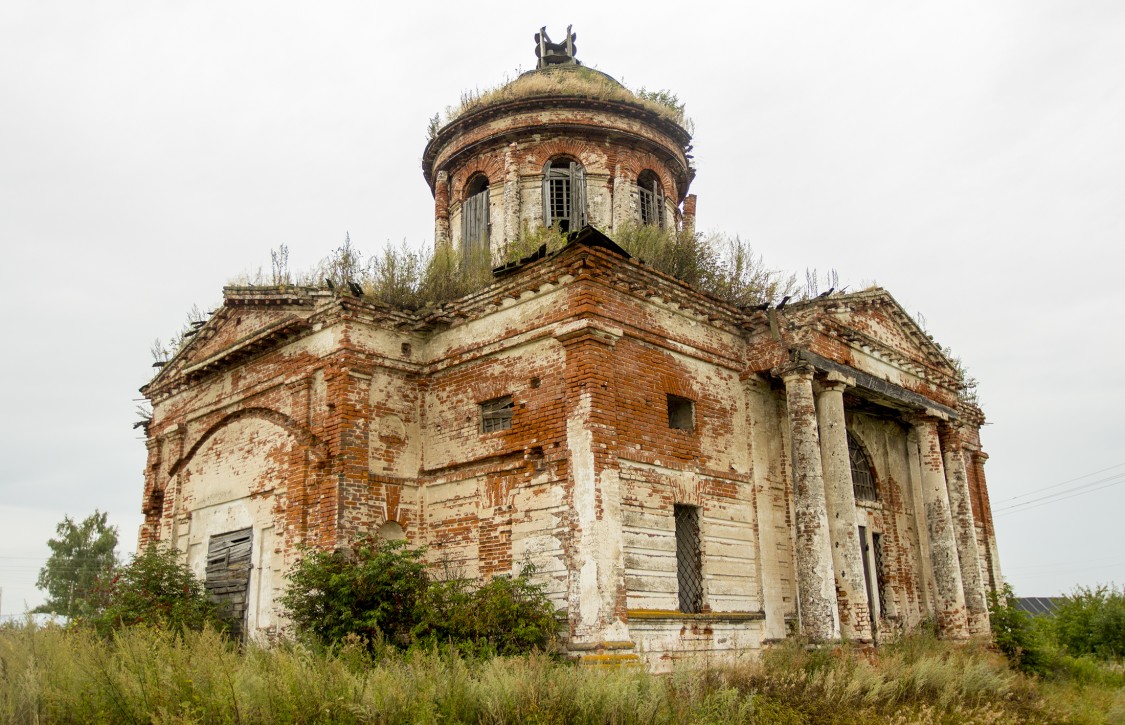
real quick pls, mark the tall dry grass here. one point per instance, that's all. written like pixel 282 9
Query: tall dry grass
pixel 54 675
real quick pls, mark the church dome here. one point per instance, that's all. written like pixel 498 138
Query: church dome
pixel 563 145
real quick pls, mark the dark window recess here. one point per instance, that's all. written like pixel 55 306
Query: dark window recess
pixel 227 580
pixel 652 201
pixel 681 413
pixel 863 482
pixel 475 222
pixel 564 196
pixel 496 414
pixel 689 561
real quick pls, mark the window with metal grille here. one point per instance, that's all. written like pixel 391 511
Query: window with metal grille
pixel 475 220
pixel 681 413
pixel 877 553
pixel 863 482
pixel 564 195
pixel 652 201
pixel 496 414
pixel 689 560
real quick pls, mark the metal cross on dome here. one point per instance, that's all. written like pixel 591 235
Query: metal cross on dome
pixel 550 53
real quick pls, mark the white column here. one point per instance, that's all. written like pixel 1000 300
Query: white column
pixel 961 508
pixel 943 545
pixel 847 551
pixel 816 590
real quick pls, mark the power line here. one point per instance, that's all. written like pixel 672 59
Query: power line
pixel 1063 483
pixel 1061 496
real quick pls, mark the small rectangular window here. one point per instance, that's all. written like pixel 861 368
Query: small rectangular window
pixel 496 414
pixel 689 560
pixel 681 413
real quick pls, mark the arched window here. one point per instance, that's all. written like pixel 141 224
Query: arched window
pixel 391 531
pixel 652 199
pixel 564 195
pixel 474 218
pixel 863 482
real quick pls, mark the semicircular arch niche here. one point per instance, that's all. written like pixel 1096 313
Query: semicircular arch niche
pixel 236 481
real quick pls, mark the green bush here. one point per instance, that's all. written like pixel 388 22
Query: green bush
pixel 380 591
pixel 1092 622
pixel 1014 633
pixel 373 590
pixel 505 616
pixel 157 589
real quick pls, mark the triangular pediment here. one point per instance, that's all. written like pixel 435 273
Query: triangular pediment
pixel 250 321
pixel 873 322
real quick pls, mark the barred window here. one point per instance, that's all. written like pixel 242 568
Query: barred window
pixel 564 195
pixel 652 200
pixel 496 414
pixel 689 560
pixel 863 482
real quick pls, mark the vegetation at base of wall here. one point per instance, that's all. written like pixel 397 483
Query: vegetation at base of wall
pixel 575 81
pixel 55 675
pixel 382 593
pixel 155 589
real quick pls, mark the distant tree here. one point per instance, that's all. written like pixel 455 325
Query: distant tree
pixel 81 554
pixel 1091 621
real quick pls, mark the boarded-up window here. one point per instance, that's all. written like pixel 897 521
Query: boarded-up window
pixel 496 414
pixel 475 220
pixel 689 559
pixel 564 196
pixel 651 199
pixel 863 482
pixel 228 576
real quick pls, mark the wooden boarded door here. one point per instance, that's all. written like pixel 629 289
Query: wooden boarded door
pixel 228 576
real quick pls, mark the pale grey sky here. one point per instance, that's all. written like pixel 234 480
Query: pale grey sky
pixel 968 156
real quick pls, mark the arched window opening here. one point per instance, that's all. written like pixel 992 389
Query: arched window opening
pixel 652 199
pixel 863 482
pixel 475 219
pixel 391 531
pixel 564 195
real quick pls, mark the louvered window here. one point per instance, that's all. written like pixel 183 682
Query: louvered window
pixel 564 196
pixel 689 560
pixel 863 482
pixel 475 222
pixel 651 200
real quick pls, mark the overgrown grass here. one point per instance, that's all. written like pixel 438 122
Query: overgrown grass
pixel 569 80
pixel 54 675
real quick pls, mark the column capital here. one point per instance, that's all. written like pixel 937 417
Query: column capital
pixel 799 370
pixel 952 436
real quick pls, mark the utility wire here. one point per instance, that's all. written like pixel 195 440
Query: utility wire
pixel 1061 496
pixel 1063 483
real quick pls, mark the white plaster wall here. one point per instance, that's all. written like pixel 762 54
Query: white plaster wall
pixel 230 485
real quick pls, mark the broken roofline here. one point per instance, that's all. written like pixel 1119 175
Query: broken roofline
pixel 511 281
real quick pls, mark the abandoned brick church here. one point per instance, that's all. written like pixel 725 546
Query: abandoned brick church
pixel 687 477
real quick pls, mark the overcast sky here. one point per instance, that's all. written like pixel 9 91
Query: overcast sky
pixel 968 156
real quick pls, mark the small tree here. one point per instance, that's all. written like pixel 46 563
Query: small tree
pixel 81 554
pixel 156 588
pixel 373 590
pixel 1092 622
